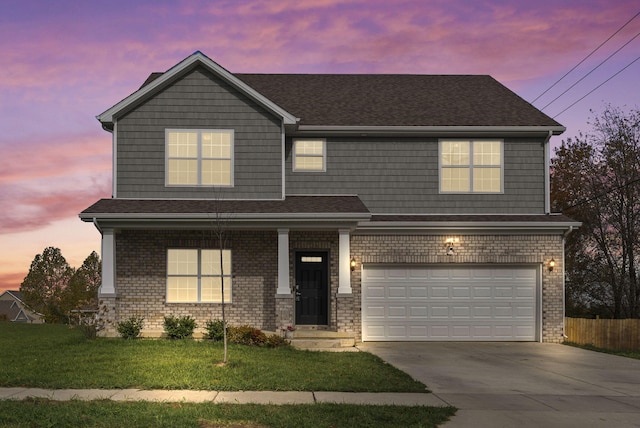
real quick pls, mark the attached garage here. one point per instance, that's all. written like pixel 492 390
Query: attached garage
pixel 450 303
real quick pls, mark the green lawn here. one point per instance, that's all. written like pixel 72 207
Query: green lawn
pixel 628 354
pixel 54 356
pixel 42 413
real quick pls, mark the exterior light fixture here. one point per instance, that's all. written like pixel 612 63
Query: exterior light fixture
pixel 552 264
pixel 353 264
pixel 450 251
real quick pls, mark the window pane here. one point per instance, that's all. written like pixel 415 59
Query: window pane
pixel 216 145
pixel 182 289
pixel 455 153
pixel 309 163
pixel 216 172
pixel 183 171
pixel 487 153
pixel 212 289
pixel 304 147
pixel 486 180
pixel 183 144
pixel 455 180
pixel 182 262
pixel 211 262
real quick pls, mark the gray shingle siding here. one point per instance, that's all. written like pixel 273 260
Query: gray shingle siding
pixel 401 176
pixel 199 101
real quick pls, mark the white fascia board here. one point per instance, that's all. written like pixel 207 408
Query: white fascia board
pixel 467 226
pixel 239 217
pixel 288 118
pixel 442 131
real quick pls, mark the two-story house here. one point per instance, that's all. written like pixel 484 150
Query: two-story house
pixel 393 207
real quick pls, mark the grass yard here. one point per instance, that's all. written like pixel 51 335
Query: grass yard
pixel 54 356
pixel 43 413
pixel 628 354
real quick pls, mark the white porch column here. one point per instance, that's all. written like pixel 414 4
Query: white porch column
pixel 283 262
pixel 108 286
pixel 344 262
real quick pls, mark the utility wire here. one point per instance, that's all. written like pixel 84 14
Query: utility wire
pixel 585 58
pixel 592 70
pixel 597 87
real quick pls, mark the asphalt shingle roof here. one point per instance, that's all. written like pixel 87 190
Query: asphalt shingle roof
pixel 395 99
pixel 292 204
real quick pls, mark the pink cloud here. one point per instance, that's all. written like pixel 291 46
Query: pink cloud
pixel 44 180
pixel 11 280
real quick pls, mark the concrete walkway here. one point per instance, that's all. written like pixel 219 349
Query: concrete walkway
pixel 522 384
pixel 237 397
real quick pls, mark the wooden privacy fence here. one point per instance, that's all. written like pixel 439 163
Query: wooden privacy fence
pixel 619 335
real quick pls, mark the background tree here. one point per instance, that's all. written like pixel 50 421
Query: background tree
pixel 43 286
pixel 596 180
pixel 82 289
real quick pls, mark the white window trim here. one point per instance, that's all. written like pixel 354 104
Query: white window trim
pixel 199 276
pixel 324 155
pixel 471 142
pixel 199 159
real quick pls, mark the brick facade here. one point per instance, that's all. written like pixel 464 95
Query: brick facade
pixel 141 266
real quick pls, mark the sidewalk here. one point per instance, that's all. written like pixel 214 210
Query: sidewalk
pixel 237 397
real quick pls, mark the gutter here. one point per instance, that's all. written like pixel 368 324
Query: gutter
pixel 547 174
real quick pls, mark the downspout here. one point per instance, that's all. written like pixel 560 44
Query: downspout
pixel 95 223
pixel 547 174
pixel 564 287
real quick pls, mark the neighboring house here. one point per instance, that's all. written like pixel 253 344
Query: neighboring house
pixel 13 308
pixel 394 207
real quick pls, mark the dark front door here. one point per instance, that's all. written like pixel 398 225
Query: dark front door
pixel 312 287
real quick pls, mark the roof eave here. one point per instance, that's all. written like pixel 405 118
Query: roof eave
pixel 107 117
pixel 439 131
pixel 467 226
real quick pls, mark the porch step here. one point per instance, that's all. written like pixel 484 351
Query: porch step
pixel 323 340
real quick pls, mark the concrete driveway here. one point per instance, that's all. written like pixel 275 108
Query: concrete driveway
pixel 522 384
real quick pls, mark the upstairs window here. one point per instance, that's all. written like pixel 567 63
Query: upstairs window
pixel 199 157
pixel 471 166
pixel 194 276
pixel 309 155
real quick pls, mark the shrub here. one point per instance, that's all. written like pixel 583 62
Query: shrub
pixel 215 330
pixel 246 335
pixel 89 329
pixel 131 328
pixel 179 328
pixel 275 341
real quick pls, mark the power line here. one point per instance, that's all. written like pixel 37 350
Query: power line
pixel 597 87
pixel 592 70
pixel 585 58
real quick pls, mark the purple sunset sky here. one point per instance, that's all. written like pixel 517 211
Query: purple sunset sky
pixel 64 62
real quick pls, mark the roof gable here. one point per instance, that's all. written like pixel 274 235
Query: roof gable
pixel 156 82
pixel 375 103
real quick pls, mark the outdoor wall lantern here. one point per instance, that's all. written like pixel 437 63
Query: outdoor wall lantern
pixel 449 245
pixel 552 264
pixel 353 264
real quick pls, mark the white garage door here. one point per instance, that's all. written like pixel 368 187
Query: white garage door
pixel 449 303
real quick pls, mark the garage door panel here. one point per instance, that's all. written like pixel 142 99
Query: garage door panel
pixel 440 292
pixel 397 292
pixel 418 291
pixel 397 312
pixel 449 303
pixel 461 291
pixel 375 292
